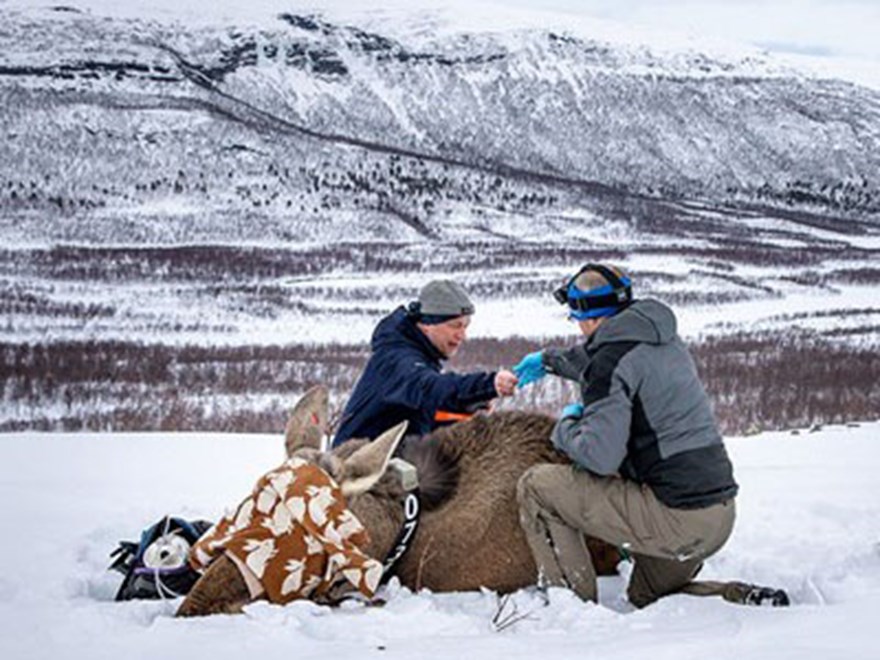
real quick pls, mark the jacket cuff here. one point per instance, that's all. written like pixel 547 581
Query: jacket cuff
pixel 480 391
pixel 491 375
pixel 560 434
pixel 547 360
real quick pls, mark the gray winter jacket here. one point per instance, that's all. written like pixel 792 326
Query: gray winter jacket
pixel 646 415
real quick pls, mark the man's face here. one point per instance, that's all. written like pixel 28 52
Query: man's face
pixel 589 326
pixel 448 336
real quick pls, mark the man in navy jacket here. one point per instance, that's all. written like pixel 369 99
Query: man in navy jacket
pixel 403 378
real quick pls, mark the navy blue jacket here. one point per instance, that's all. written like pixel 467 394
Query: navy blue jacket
pixel 402 380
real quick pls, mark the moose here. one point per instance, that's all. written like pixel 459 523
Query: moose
pixel 468 536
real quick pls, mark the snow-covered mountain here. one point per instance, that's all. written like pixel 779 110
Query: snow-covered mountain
pixel 324 119
pixel 198 203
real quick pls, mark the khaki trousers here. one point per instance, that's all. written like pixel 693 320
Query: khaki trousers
pixel 559 504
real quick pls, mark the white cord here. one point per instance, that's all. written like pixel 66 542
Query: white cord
pixel 165 592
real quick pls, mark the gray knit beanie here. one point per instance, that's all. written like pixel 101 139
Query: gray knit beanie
pixel 442 300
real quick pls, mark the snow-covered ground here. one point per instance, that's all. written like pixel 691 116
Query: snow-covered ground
pixel 809 521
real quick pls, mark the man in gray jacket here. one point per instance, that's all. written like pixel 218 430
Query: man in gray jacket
pixel 650 473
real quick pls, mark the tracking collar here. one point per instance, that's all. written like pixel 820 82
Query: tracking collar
pixel 411 510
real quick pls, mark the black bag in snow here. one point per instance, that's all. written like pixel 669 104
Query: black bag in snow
pixel 157 566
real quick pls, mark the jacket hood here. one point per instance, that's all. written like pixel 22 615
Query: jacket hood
pixel 397 329
pixel 646 321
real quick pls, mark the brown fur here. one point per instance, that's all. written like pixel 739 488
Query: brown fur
pixel 221 590
pixel 473 539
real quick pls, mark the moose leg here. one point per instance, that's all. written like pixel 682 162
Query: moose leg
pixel 220 590
pixel 605 556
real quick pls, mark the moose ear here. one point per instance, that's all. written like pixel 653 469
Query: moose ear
pixel 367 465
pixel 308 421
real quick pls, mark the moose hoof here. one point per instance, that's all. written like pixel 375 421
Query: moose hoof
pixel 221 590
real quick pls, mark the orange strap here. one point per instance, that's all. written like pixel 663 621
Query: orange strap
pixel 446 416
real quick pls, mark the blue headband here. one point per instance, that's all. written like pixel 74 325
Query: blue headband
pixel 603 295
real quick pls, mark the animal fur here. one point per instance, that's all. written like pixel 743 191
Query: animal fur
pixel 221 590
pixel 469 535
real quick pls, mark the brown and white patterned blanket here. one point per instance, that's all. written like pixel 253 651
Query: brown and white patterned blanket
pixel 296 536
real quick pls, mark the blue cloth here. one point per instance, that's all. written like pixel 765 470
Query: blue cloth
pixel 575 293
pixel 583 315
pixel 573 410
pixel 402 380
pixel 530 369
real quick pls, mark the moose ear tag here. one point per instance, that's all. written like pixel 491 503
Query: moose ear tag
pixel 408 473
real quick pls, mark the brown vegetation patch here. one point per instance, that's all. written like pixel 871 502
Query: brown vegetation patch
pixel 756 381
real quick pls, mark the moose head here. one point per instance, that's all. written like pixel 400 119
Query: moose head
pixel 229 584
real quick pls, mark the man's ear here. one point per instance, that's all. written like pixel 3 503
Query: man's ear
pixel 308 421
pixel 367 465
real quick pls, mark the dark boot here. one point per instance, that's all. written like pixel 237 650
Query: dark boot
pixel 753 594
pixel 740 593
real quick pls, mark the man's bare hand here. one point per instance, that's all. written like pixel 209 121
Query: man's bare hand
pixel 505 382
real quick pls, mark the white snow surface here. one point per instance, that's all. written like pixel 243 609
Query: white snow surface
pixel 808 521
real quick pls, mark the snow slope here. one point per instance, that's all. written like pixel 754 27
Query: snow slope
pixel 808 521
pixel 93 97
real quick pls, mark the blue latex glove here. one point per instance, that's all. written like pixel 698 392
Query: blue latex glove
pixel 530 369
pixel 573 410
